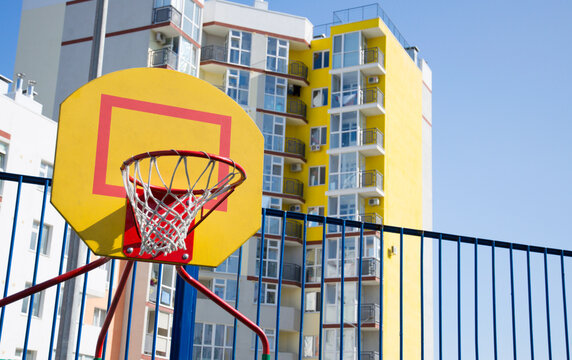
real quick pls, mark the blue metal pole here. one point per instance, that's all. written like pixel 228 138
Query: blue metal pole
pixel 109 297
pixel 342 278
pixel 234 329
pixel 360 276
pixel 422 300
pixel 279 296
pixel 547 304
pixel 184 316
pixel 36 265
pixel 57 300
pixel 82 307
pixel 494 302
pixel 157 299
pixel 459 331
pixel 11 251
pixel 130 312
pixel 260 269
pixel 381 282
pixel 303 292
pixel 322 296
pixel 440 298
pixel 476 299
pixel 514 353
pixel 564 305
pixel 530 304
pixel 401 294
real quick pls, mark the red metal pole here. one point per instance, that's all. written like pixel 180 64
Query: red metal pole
pixel 220 302
pixel 111 311
pixel 54 281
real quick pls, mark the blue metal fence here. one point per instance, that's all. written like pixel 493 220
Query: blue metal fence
pixel 439 295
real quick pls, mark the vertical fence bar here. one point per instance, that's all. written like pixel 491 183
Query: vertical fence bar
pixel 343 297
pixel 156 318
pixel 495 346
pixel 279 296
pixel 530 304
pixel 130 311
pixel 381 261
pixel 11 251
pixel 303 288
pixel 440 289
pixel 565 309
pixel 260 269
pixel 321 329
pixel 237 297
pixel 57 300
pixel 514 353
pixel 476 299
pixel 109 299
pixel 82 307
pixel 422 300
pixel 459 332
pixel 36 266
pixel 360 276
pixel 401 294
pixel 547 304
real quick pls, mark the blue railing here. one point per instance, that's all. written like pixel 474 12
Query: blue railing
pixel 442 296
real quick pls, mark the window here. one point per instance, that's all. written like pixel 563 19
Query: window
pixel 346 128
pixel 275 93
pixel 318 135
pixel 313 302
pixel 212 341
pixel 268 294
pixel 334 257
pixel 313 264
pixel 239 43
pixel 46 170
pixel 230 265
pixel 30 354
pixel 164 327
pixel 310 349
pixel 346 89
pixel 277 55
pixel 345 207
pixel 332 344
pixel 272 179
pixel 317 175
pixel 167 295
pixel 38 303
pixel 237 85
pixel 273 224
pixel 225 288
pixel 344 170
pixel 3 154
pixel 319 97
pixel 347 50
pixel 188 56
pixel 333 298
pixel 315 210
pixel 321 59
pixel 270 334
pixel 46 236
pixel 192 20
pixel 99 317
pixel 273 131
pixel 270 259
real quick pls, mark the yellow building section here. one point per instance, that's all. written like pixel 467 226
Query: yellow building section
pixel 401 167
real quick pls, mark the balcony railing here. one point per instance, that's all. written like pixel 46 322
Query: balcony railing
pixel 369 355
pixel 372 55
pixel 372 218
pixel 291 272
pixel 297 68
pixel 214 52
pixel 371 136
pixel 370 267
pixel 357 97
pixel 167 13
pixel 163 57
pixel 370 314
pixel 293 187
pixel 296 107
pixel 293 229
pixel 355 180
pixel 372 96
pixel 294 146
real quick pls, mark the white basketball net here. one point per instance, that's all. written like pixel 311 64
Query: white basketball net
pixel 164 217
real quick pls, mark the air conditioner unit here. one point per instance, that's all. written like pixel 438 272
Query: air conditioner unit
pixel 161 38
pixel 373 201
pixel 373 79
pixel 296 167
pixel 315 147
pixel 296 208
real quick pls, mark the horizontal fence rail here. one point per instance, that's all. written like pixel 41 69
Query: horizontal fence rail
pixel 369 291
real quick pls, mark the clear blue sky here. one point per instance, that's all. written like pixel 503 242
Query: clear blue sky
pixel 502 114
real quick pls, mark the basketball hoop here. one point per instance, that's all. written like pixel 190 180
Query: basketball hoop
pixel 166 215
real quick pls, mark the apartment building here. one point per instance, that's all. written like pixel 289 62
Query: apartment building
pixel 345 109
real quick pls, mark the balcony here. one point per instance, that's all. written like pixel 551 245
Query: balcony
pixel 214 58
pixel 293 229
pixel 300 71
pixel 370 267
pixel 163 58
pixel 168 15
pixel 369 142
pixel 295 148
pixel 372 62
pixel 370 314
pixel 367 183
pixel 291 272
pixel 297 108
pixel 368 101
pixel 292 192
pixel 369 355
pixel 372 218
pixel 293 187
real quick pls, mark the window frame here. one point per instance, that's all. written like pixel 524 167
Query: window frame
pixel 322 137
pixel 46 238
pixel 280 61
pixel 223 283
pixel 149 329
pixel 166 289
pixel 200 344
pixel 99 317
pixel 324 60
pixel 277 99
pixel 237 92
pixel 316 210
pixel 243 50
pixel 267 288
pixel 320 178
pixel 38 306
pixel 324 92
